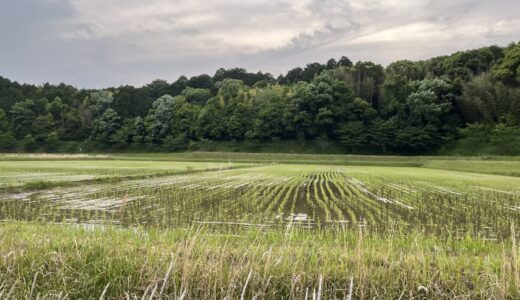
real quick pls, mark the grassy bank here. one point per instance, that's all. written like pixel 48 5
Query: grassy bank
pixel 242 157
pixel 52 261
pixel 495 167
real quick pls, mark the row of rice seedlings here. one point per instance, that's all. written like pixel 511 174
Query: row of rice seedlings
pixel 365 209
pixel 320 209
pixel 300 211
pixel 307 194
pixel 338 197
pixel 239 195
pixel 410 216
pixel 238 205
pixel 278 198
pixel 287 204
pixel 267 195
pixel 436 209
pixel 328 197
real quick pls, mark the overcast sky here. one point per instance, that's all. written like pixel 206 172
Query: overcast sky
pixel 100 43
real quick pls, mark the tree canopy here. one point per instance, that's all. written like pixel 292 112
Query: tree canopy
pixel 408 107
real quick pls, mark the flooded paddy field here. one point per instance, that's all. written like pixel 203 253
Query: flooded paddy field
pixel 17 173
pixel 377 199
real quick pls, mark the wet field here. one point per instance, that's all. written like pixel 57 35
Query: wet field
pixel 180 194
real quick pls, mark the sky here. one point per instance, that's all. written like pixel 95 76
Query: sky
pixel 101 43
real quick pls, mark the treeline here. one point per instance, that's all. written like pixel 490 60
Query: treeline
pixel 467 102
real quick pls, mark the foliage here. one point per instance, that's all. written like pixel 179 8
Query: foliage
pixel 105 127
pixel 508 70
pixel 409 107
pixel 29 143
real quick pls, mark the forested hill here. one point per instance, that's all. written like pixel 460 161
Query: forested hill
pixel 467 102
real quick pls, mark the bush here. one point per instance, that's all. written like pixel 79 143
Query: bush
pixel 71 147
pixel 506 140
pixel 481 139
pixel 175 144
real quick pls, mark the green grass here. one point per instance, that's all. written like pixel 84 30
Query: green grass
pixel 460 163
pixel 38 174
pixel 48 260
pixel 497 167
pixel 329 159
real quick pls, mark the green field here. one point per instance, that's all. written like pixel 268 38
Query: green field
pixel 201 225
pixel 36 172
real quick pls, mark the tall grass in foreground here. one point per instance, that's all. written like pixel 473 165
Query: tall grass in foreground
pixel 70 262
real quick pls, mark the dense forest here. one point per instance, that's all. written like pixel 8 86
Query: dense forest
pixel 467 103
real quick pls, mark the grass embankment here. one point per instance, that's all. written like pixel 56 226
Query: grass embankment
pixel 51 156
pixel 319 159
pixel 494 167
pixel 443 162
pixel 51 261
pixel 243 157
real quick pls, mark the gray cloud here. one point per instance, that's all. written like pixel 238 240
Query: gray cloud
pixel 98 43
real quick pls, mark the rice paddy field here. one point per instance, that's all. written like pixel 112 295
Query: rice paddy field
pixel 258 227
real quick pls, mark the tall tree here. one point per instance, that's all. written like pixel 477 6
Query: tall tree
pixel 105 127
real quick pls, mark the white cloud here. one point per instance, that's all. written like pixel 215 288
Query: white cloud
pixel 110 42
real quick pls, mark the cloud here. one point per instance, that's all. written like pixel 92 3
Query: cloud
pixel 96 43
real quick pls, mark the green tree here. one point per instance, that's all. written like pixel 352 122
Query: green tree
pixel 52 142
pixel 58 110
pixel 506 139
pixel 175 144
pixel 508 70
pixel 161 116
pixel 382 133
pixel 230 91
pixel 105 127
pixel 196 96
pixel 140 132
pixel 200 82
pixel 318 107
pixel 239 122
pixel 184 118
pixel 7 139
pixel 210 123
pixel 94 105
pixel 345 62
pixel 29 143
pixel 125 135
pixel 22 115
pixel 99 101
pixel 416 139
pixel 353 134
pixel 42 126
pixel 270 104
pixel 487 101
